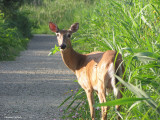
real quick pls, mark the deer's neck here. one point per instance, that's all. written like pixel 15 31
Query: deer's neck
pixel 72 59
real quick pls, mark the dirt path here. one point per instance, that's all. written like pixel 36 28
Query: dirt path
pixel 32 86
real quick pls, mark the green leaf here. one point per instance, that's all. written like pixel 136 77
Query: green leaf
pixel 132 19
pixel 108 44
pixel 121 101
pixel 54 50
pixel 65 101
pixel 140 93
pixel 146 56
pixel 101 43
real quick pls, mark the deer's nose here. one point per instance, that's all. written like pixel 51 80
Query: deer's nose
pixel 63 46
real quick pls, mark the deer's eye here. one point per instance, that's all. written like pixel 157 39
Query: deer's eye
pixel 69 35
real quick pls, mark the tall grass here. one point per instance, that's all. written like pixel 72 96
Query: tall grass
pixel 61 12
pixel 131 28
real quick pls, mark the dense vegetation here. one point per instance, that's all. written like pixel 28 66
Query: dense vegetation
pixel 61 12
pixel 15 29
pixel 131 27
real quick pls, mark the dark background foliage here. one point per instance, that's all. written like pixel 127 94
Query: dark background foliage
pixel 15 28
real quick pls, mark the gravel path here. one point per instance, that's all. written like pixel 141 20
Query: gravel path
pixel 32 86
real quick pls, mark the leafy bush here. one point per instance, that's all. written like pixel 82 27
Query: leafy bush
pixel 23 24
pixel 15 28
pixel 11 40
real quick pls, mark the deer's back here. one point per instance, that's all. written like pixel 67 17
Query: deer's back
pixel 95 67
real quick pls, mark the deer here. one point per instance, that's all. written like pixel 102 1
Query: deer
pixel 95 71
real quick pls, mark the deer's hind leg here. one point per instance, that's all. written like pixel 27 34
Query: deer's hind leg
pixel 117 87
pixel 120 87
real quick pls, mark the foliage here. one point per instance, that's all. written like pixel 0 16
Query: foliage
pixel 120 101
pixel 61 12
pixel 54 50
pixel 10 6
pixel 15 29
pixel 23 24
pixel 11 41
pixel 131 28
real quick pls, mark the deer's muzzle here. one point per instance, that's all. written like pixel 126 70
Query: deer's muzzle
pixel 63 46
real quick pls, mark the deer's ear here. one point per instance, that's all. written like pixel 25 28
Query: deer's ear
pixel 53 27
pixel 74 27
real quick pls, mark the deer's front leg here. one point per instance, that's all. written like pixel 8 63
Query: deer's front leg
pixel 90 98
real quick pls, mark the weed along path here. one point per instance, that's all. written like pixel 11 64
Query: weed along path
pixel 33 86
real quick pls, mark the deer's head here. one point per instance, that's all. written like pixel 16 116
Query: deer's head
pixel 64 36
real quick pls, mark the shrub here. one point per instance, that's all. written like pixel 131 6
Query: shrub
pixel 11 40
pixel 15 28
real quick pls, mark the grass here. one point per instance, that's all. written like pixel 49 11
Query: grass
pixel 131 28
pixel 61 12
